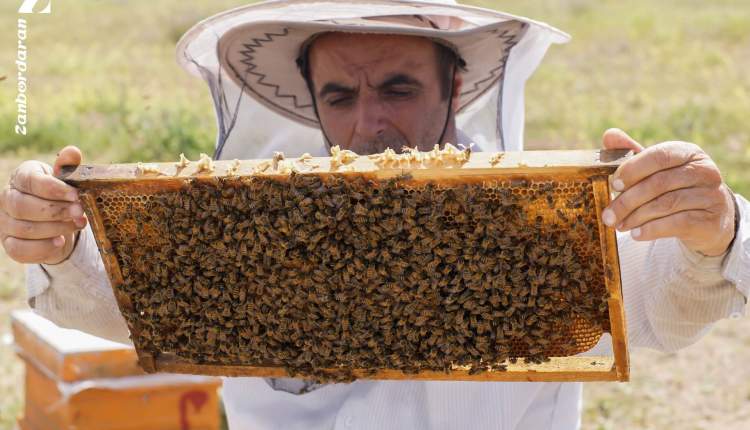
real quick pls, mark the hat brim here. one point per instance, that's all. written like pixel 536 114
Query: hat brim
pixel 260 55
pixel 261 59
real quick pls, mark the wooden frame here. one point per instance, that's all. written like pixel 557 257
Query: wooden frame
pixel 596 165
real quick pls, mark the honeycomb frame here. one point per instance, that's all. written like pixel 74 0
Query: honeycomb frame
pixel 104 187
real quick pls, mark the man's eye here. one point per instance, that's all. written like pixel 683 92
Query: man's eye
pixel 339 101
pixel 399 93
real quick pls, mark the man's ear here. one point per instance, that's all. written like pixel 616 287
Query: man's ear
pixel 458 81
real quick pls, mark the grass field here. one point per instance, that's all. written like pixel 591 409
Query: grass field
pixel 102 76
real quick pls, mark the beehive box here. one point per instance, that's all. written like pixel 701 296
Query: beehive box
pixel 77 381
pixel 441 265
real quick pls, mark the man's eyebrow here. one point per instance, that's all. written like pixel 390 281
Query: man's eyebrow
pixel 332 87
pixel 397 79
pixel 400 79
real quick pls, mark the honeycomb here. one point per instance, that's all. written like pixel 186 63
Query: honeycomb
pixel 222 271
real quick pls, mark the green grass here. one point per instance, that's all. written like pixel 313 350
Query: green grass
pixel 103 76
pixel 110 86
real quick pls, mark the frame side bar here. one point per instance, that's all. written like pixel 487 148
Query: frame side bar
pixel 612 279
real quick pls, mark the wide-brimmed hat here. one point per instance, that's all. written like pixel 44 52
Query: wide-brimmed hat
pixel 258 45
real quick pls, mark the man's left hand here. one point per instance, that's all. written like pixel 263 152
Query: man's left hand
pixel 672 189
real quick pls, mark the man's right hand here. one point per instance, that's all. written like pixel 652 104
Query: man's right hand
pixel 40 215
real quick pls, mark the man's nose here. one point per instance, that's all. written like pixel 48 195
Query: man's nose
pixel 371 119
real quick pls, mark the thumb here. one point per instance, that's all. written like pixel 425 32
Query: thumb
pixel 68 156
pixel 614 138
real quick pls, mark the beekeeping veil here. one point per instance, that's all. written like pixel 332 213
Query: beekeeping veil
pixel 248 58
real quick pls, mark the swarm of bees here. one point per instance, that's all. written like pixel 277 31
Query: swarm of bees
pixel 323 274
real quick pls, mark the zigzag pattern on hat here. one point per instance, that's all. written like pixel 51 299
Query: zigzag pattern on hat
pixel 509 38
pixel 258 42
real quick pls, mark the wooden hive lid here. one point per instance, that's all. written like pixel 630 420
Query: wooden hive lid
pixel 70 355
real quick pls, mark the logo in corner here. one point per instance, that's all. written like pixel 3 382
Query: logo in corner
pixel 28 7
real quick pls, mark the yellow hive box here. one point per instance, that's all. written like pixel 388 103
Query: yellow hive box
pixel 77 381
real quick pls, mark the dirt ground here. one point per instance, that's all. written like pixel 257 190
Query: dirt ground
pixel 704 386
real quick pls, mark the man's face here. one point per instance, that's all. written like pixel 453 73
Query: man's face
pixel 379 91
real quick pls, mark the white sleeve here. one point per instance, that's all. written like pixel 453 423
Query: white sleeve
pixel 673 295
pixel 77 293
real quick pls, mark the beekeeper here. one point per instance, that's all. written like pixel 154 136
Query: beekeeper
pixel 300 76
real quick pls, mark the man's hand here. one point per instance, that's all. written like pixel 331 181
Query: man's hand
pixel 672 189
pixel 39 214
